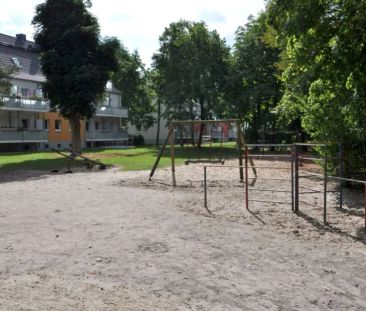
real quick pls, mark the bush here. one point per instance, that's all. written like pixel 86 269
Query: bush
pixel 138 140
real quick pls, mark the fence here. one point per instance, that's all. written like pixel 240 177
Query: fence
pixel 294 156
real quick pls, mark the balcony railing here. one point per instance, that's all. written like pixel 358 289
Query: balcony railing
pixel 108 111
pixel 15 103
pixel 22 135
pixel 106 135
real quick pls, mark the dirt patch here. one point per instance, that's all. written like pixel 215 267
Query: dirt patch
pixel 111 240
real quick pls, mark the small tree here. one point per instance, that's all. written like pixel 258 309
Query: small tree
pixel 192 63
pixel 74 59
pixel 6 72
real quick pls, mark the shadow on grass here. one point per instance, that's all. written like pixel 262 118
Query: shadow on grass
pixel 17 166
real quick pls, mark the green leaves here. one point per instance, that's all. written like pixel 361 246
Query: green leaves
pixel 323 63
pixel 192 63
pixel 6 73
pixel 134 82
pixel 253 87
pixel 76 63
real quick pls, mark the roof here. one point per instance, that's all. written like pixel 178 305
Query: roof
pixel 19 41
pixel 12 47
pixel 27 53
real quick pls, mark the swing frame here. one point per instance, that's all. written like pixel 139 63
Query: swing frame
pixel 240 141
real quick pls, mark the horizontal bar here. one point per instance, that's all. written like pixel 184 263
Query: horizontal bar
pixel 310 144
pixel 270 155
pixel 228 166
pixel 348 179
pixel 279 202
pixel 311 176
pixel 269 190
pixel 310 159
pixel 279 179
pixel 269 145
pixel 203 121
pixel 311 192
pixel 270 167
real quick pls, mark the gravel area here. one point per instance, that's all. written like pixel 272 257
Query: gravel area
pixel 112 240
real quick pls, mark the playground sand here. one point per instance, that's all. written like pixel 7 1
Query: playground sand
pixel 112 240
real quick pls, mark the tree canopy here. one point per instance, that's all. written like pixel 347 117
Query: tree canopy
pixel 253 88
pixel 76 62
pixel 132 79
pixel 192 63
pixel 323 64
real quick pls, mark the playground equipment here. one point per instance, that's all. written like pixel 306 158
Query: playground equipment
pixel 185 137
pixel 292 160
pixel 89 163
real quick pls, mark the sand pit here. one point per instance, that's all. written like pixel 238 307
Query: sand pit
pixel 112 240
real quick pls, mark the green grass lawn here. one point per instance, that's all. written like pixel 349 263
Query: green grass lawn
pixel 141 158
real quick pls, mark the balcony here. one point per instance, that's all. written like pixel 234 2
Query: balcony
pixel 25 104
pixel 108 111
pixel 22 135
pixel 107 135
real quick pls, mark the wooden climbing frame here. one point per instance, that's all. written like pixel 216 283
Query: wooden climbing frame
pixel 240 140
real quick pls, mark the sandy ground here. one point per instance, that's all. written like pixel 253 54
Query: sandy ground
pixel 111 240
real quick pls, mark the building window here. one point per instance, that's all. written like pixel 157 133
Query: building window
pixel 25 124
pixel 38 92
pixel 96 124
pixel 24 92
pixel 108 101
pixel 87 125
pixel 59 146
pixel 16 62
pixel 58 125
pixel 45 124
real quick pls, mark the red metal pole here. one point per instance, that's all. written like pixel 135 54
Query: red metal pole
pixel 365 205
pixel 246 179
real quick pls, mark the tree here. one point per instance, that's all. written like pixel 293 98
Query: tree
pixel 74 59
pixel 253 89
pixel 323 66
pixel 193 65
pixel 133 81
pixel 6 73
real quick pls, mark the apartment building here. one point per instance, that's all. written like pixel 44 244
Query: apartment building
pixel 26 123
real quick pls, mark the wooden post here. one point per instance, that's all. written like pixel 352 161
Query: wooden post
pixel 160 154
pixel 246 179
pixel 242 139
pixel 172 138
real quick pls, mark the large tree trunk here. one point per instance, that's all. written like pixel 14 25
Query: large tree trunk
pixel 75 134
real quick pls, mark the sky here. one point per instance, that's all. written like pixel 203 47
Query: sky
pixel 139 23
